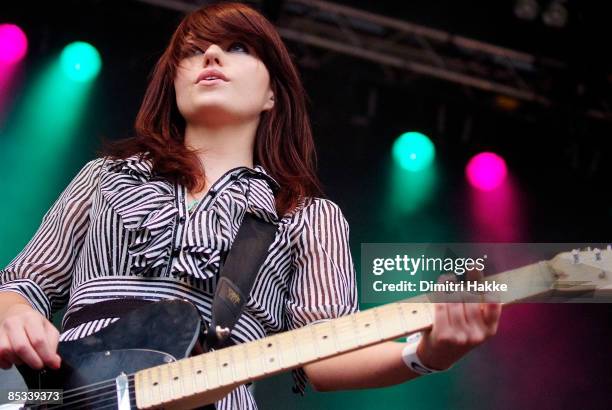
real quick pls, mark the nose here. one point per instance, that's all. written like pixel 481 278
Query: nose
pixel 213 55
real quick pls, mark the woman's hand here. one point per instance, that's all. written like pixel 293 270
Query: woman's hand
pixel 457 329
pixel 27 337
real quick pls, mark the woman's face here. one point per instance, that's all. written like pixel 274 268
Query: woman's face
pixel 223 83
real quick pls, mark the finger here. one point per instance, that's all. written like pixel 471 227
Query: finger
pixel 473 316
pixel 441 319
pixel 53 338
pixel 21 347
pixel 478 328
pixel 5 355
pixel 457 316
pixel 6 351
pixel 474 275
pixel 37 335
pixel 491 312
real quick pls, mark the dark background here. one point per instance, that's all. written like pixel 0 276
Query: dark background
pixel 559 156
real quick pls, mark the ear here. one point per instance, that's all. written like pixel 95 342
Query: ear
pixel 269 102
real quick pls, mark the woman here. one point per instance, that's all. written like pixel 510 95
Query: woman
pixel 222 129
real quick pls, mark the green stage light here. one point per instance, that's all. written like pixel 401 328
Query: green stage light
pixel 41 139
pixel 80 61
pixel 413 151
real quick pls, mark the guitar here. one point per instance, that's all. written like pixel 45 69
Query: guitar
pixel 143 360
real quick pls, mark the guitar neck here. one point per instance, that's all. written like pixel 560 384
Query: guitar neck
pixel 190 380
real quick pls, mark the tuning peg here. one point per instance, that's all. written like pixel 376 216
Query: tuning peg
pixel 597 254
pixel 575 255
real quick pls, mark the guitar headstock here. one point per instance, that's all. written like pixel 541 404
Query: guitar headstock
pixel 583 270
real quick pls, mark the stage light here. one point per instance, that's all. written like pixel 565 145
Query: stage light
pixel 556 14
pixel 80 61
pixel 413 151
pixel 486 171
pixel 526 9
pixel 13 43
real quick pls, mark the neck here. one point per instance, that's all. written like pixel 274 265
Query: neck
pixel 222 147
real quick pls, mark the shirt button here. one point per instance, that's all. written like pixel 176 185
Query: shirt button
pixel 234 177
pixel 176 251
pixel 182 219
pixel 212 192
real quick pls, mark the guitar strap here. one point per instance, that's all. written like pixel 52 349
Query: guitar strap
pixel 236 277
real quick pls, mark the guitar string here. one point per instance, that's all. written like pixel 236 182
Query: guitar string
pixel 108 384
pixel 96 403
pixel 89 388
pixel 110 394
pixel 111 406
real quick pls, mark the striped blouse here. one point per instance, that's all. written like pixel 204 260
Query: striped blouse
pixel 119 231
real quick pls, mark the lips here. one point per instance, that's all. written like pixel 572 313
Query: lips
pixel 210 74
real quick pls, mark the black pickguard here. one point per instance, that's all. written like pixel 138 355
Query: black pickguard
pixel 155 334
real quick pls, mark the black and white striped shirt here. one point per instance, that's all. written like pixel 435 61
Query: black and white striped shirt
pixel 118 231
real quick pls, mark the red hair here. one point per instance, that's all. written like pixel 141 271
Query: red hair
pixel 284 144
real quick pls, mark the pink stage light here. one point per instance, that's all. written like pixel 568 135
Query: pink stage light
pixel 486 171
pixel 13 43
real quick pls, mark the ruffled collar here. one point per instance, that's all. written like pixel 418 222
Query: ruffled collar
pixel 148 206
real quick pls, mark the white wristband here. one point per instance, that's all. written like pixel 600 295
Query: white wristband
pixel 411 359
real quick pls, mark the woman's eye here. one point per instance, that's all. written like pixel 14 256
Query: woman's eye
pixel 238 46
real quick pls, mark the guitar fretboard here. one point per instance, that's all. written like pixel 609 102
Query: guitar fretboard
pixel 188 379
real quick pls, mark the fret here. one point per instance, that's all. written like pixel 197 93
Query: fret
pixel 209 364
pixel 271 355
pixel 225 365
pixel 174 376
pixel 165 388
pixel 390 322
pixel 142 388
pixel 288 351
pixel 357 331
pixel 368 330
pixel 305 344
pixel 254 360
pixel 402 317
pixel 325 340
pixel 416 316
pixel 199 373
pixel 377 322
pixel 155 386
pixel 346 333
pixel 187 379
pixel 240 367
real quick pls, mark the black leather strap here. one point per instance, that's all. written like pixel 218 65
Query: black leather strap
pixel 248 252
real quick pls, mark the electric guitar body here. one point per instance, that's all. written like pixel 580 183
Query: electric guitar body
pixel 156 334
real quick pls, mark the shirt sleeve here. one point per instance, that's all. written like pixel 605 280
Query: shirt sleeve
pixel 323 284
pixel 42 271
